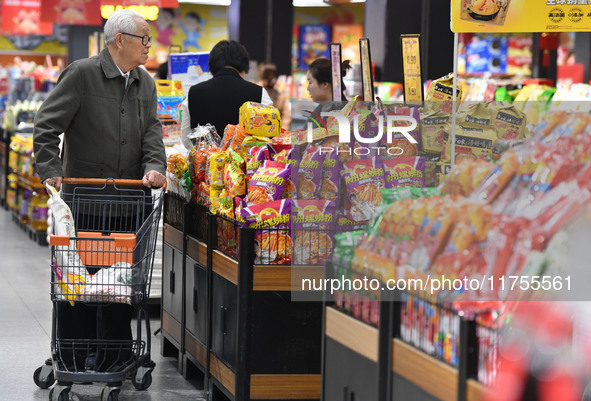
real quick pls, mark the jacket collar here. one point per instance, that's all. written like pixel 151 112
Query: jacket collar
pixel 228 72
pixel 110 68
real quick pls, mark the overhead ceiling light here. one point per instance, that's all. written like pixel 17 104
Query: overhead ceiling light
pixel 207 2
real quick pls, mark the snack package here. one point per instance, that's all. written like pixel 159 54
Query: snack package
pixel 268 182
pixel 310 173
pixel 491 12
pixel 406 147
pixel 471 143
pixel 331 177
pixel 259 120
pixel 217 163
pixel 495 181
pixel 254 160
pixel 508 121
pixel 234 180
pixel 344 223
pixel 234 136
pixel 287 154
pixel 440 94
pixel 272 220
pixel 364 180
pixel 313 230
pixel 405 172
pixel 434 128
pixel 70 273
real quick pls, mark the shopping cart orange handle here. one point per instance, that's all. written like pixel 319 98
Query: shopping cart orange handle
pixel 105 181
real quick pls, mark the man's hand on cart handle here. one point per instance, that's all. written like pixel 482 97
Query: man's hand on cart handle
pixel 55 182
pixel 153 179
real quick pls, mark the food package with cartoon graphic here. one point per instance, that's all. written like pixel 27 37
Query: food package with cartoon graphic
pixel 405 172
pixel 268 182
pixel 471 143
pixel 313 230
pixel 364 180
pixel 272 221
pixel 217 163
pixel 309 174
pixel 434 128
pixel 287 154
pixel 508 121
pixel 485 11
pixel 259 120
pixel 440 94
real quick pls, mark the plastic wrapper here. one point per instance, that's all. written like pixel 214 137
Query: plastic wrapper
pixel 272 221
pixel 440 94
pixel 466 175
pixel 364 180
pixel 112 284
pixel 310 173
pixel 313 230
pixel 234 136
pixel 268 182
pixel 70 273
pixel 405 172
pixel 259 120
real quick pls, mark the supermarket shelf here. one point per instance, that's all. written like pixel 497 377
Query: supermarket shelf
pixel 414 366
pixel 352 333
pixel 284 278
pixel 38 236
pixel 476 391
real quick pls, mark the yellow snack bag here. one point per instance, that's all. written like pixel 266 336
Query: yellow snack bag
pixel 217 162
pixel 471 142
pixel 259 120
pixel 440 94
pixel 434 127
pixel 508 121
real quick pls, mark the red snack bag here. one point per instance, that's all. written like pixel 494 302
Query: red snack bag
pixel 254 159
pixel 287 154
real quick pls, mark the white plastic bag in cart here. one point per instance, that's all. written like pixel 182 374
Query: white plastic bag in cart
pixel 71 275
pixel 110 284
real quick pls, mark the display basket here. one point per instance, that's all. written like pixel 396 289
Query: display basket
pixel 197 221
pixel 174 210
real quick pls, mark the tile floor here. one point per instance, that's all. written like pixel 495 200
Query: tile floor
pixel 25 327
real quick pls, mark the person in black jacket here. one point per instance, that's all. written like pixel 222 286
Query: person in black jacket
pixel 218 100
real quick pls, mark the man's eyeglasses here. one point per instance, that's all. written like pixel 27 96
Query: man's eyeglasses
pixel 145 39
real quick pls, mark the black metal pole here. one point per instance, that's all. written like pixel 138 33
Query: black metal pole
pixel 211 238
pixel 468 354
pixel 243 340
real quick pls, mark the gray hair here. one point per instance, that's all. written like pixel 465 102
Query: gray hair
pixel 121 21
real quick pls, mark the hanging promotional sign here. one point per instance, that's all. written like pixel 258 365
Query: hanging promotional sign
pixel 23 17
pixel 335 64
pixel 521 15
pixel 72 12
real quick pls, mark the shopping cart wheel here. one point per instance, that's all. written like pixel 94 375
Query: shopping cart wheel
pixel 142 381
pixel 110 394
pixel 59 393
pixel 43 376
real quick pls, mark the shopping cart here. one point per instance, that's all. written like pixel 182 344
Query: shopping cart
pixel 108 261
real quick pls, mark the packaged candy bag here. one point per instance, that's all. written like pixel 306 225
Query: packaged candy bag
pixel 268 182
pixel 310 173
pixel 272 220
pixel 405 172
pixel 313 235
pixel 259 120
pixel 364 180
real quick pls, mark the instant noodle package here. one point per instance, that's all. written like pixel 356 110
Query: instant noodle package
pixel 259 120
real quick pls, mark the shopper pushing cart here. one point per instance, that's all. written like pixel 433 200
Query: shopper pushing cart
pixel 102 253
pixel 106 108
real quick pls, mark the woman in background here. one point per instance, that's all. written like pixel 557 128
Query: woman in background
pixel 320 79
pixel 267 72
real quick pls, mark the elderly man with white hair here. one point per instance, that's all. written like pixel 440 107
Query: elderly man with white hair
pixel 106 108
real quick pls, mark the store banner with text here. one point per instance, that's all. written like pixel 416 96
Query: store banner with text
pixel 23 17
pixel 72 12
pixel 521 15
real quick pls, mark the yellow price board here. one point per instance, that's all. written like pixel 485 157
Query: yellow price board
pixel 411 69
pixel 521 15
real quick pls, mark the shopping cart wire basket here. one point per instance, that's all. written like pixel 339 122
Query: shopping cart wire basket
pixel 107 261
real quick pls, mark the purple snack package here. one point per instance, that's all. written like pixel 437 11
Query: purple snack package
pixel 310 173
pixel 405 172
